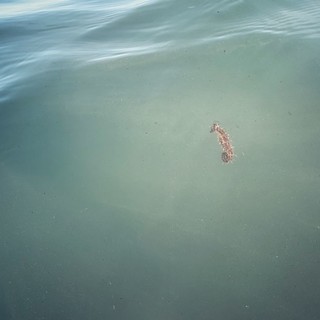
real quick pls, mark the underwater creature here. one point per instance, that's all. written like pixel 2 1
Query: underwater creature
pixel 225 142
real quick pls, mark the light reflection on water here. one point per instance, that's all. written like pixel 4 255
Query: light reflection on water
pixel 90 31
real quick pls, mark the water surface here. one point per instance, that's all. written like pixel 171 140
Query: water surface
pixel 115 203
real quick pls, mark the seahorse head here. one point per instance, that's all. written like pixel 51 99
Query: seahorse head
pixel 214 127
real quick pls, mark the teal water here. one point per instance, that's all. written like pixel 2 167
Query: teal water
pixel 115 203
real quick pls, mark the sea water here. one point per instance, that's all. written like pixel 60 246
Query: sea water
pixel 114 200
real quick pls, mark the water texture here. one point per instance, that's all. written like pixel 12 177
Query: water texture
pixel 114 200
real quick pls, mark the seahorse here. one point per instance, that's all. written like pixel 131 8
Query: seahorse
pixel 224 140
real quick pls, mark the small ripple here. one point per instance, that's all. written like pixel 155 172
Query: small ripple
pixel 126 52
pixel 86 32
pixel 303 22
